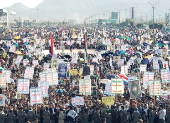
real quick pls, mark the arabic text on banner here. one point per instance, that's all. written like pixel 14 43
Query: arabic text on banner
pixel 155 88
pixel 85 86
pixel 44 87
pixel 36 96
pixel 108 100
pixel 142 67
pixel 29 72
pixel 146 77
pixel 77 101
pixel 165 75
pixel 117 86
pixel 23 86
pixel 7 75
pixel 155 63
pixel 3 80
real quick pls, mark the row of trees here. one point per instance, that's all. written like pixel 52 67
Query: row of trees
pixel 129 22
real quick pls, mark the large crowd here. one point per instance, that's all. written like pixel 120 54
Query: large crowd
pixel 101 61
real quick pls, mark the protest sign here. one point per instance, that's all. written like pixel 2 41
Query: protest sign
pixel 165 75
pixel 50 77
pixel 2 99
pixel 146 77
pixel 142 67
pixel 74 58
pixel 135 89
pixel 108 88
pixel 62 70
pixel 54 63
pixel 18 95
pixel 108 100
pixel 29 72
pixel 164 94
pixel 36 96
pixel 18 60
pixel 72 114
pixel 155 63
pixel 23 86
pixel 77 101
pixel 165 65
pixel 154 88
pixel 54 78
pixel 85 86
pixel 117 86
pixel 3 80
pixel 44 87
pixel 7 74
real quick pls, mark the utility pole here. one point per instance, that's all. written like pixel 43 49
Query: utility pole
pixel 153 9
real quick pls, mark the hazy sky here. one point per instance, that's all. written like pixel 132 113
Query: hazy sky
pixel 29 3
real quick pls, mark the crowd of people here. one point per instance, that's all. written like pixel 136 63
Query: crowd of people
pixel 105 46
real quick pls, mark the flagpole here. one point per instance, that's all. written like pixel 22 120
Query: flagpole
pixel 85 47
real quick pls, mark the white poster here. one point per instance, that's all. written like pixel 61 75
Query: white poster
pixel 29 72
pixel 165 75
pixel 2 99
pixel 36 96
pixel 7 75
pixel 147 77
pixel 76 101
pixel 23 86
pixel 44 87
pixel 142 67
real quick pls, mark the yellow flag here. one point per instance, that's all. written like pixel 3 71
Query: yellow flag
pixel 4 54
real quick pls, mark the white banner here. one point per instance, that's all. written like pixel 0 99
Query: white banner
pixel 29 72
pixel 85 86
pixel 77 101
pixel 36 96
pixel 155 88
pixel 142 67
pixel 117 86
pixel 7 75
pixel 165 75
pixel 147 77
pixel 44 87
pixel 3 80
pixel 23 86
pixel 155 63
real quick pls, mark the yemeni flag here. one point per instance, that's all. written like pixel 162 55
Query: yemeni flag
pixel 51 45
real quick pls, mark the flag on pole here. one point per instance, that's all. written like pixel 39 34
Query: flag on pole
pixel 52 45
